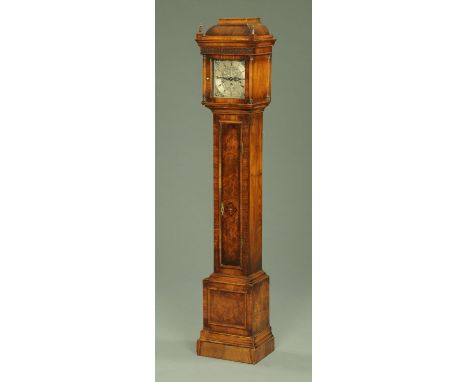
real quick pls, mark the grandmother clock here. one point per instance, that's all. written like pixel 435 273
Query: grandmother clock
pixel 236 87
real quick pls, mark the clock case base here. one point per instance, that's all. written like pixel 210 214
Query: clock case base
pixel 235 318
pixel 247 354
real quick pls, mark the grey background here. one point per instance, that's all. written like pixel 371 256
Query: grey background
pixel 184 211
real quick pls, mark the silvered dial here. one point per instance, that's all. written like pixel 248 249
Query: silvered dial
pixel 229 78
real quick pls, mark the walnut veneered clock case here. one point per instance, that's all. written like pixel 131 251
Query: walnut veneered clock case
pixel 236 87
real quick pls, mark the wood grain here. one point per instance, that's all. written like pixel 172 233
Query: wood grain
pixel 230 153
pixel 231 330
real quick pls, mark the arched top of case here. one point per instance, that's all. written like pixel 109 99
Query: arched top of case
pixel 238 27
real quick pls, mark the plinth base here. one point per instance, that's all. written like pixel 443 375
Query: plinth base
pixel 236 318
pixel 236 348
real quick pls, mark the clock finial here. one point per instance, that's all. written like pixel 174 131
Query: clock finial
pixel 200 29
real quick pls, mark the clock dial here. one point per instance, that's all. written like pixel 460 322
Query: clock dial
pixel 229 78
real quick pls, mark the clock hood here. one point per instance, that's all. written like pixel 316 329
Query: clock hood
pixel 242 42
